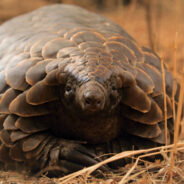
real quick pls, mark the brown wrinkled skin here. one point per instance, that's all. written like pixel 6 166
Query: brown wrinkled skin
pixel 74 85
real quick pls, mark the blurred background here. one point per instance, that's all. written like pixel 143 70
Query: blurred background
pixel 157 24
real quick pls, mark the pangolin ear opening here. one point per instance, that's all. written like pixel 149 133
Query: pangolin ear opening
pixel 61 76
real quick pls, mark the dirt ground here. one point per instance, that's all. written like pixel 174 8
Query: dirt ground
pixel 163 32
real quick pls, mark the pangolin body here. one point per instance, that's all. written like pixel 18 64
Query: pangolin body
pixel 73 83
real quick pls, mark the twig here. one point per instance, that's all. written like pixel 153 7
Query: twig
pixel 123 180
pixel 176 131
pixel 165 101
pixel 122 155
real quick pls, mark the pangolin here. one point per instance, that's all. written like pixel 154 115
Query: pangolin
pixel 73 84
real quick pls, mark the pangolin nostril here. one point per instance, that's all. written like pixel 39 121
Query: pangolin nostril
pixel 93 101
pixel 91 97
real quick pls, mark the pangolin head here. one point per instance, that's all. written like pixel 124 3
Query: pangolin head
pixel 92 95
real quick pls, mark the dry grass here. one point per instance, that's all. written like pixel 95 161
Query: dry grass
pixel 139 172
pixel 168 40
pixel 136 171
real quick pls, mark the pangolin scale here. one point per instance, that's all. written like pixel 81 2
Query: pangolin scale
pixel 74 85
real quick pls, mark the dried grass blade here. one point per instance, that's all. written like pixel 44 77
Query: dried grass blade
pixel 91 169
pixel 176 131
pixel 123 180
pixel 165 101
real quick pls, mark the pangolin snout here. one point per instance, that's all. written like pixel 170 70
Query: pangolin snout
pixel 93 100
pixel 91 97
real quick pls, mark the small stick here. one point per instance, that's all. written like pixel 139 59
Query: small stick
pixel 174 76
pixel 176 131
pixel 165 101
pixel 148 8
pixel 118 156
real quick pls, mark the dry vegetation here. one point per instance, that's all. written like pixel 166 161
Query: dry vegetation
pixel 167 39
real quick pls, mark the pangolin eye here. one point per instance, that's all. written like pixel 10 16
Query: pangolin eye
pixel 68 88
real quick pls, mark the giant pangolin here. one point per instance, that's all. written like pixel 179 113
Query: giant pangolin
pixel 74 84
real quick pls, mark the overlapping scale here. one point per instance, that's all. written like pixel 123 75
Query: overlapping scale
pixel 142 130
pixel 33 124
pixel 160 101
pixel 43 158
pixel 20 107
pixel 41 93
pixel 36 49
pixel 78 70
pixel 63 63
pixel 31 40
pixel 3 84
pixel 17 135
pixel 37 72
pixel 51 49
pixel 90 44
pixel 2 118
pixel 52 65
pixel 68 51
pixel 102 73
pixel 131 44
pixel 125 76
pixel 9 123
pixel 93 50
pixel 122 50
pixel 51 79
pixel 5 138
pixel 33 141
pixel 144 81
pixel 136 98
pixel 83 36
pixel 35 152
pixel 16 58
pixel 161 139
pixel 23 41
pixel 6 100
pixel 75 30
pixel 153 116
pixel 152 59
pixel 69 69
pixel 16 77
pixel 5 60
pixel 155 76
pixel 61 74
pixel 169 84
pixel 61 32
